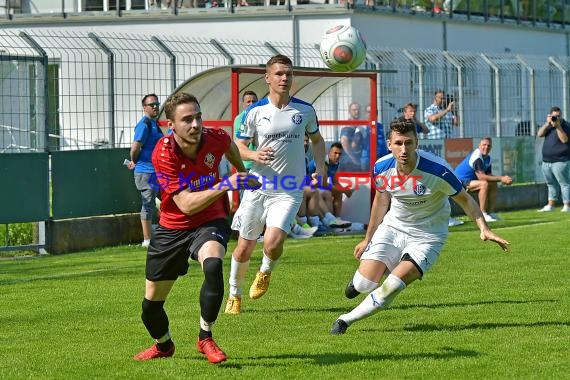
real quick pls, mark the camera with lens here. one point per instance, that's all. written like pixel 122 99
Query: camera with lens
pixel 448 99
pixel 554 118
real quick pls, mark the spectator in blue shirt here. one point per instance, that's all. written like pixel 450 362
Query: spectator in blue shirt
pixel 333 196
pixel 352 158
pixel 147 134
pixel 381 145
pixel 475 173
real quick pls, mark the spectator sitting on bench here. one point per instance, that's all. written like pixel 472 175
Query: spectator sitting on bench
pixel 476 175
pixel 333 196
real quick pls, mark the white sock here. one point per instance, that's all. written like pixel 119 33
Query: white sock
pixel 314 221
pixel 237 276
pixel 267 265
pixel 206 326
pixel 376 300
pixel 362 284
pixel 302 220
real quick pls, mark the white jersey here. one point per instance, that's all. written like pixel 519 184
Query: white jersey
pixel 419 204
pixel 283 130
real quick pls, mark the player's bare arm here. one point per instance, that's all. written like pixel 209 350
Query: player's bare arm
pixel 234 157
pixel 505 179
pixel 379 208
pixel 191 202
pixel 472 210
pixel 262 156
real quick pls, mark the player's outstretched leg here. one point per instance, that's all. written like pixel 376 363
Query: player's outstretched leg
pixel 156 322
pixel 211 296
pixel 378 299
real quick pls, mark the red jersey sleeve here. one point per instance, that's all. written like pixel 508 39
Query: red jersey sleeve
pixel 166 165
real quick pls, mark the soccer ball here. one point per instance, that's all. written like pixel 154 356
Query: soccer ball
pixel 342 48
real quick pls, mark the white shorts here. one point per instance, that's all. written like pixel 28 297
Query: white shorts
pixel 388 245
pixel 257 210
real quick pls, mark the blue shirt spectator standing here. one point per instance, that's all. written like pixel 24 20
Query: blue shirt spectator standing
pixel 147 134
pixel 556 158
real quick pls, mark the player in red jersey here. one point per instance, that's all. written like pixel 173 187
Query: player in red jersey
pixel 192 223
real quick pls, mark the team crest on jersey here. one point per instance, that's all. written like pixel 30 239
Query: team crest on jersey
pixel 297 119
pixel 379 182
pixel 209 160
pixel 420 189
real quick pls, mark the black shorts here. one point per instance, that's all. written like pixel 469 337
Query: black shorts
pixel 169 251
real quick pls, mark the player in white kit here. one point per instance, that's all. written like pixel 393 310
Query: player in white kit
pixel 408 223
pixel 280 122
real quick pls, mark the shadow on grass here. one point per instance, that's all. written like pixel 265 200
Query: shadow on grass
pixel 399 307
pixel 481 326
pixel 113 271
pixel 340 358
pixel 463 304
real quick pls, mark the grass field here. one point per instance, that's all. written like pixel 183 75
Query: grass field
pixel 479 313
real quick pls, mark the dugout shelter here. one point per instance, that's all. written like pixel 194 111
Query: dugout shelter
pixel 220 90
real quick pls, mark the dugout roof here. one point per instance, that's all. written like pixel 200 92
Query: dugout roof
pixel 219 90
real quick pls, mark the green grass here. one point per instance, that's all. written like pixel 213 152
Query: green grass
pixel 479 313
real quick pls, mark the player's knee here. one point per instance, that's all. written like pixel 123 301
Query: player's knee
pixel 388 291
pixel 154 318
pixel 362 284
pixel 243 250
pixel 213 274
pixel 152 307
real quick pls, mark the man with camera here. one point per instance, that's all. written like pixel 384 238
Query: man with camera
pixel 556 159
pixel 440 117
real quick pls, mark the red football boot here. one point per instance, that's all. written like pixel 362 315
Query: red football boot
pixel 209 348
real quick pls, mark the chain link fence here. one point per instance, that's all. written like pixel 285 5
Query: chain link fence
pixel 69 90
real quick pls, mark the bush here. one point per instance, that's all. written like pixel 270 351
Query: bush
pixel 18 233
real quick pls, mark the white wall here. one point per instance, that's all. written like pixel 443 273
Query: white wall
pixel 379 29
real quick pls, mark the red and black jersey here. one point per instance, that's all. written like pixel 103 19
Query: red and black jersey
pixel 175 172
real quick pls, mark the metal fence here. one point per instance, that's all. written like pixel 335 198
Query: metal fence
pixel 68 91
